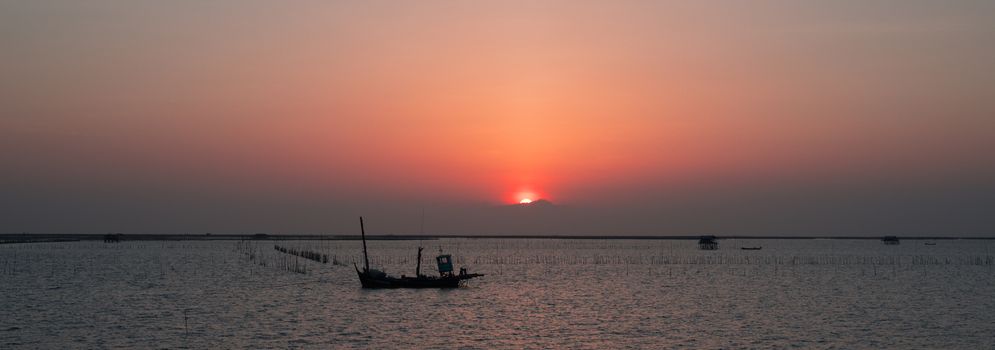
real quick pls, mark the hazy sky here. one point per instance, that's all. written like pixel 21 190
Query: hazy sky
pixel 686 117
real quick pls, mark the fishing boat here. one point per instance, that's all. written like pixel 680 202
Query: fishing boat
pixel 751 248
pixel 372 278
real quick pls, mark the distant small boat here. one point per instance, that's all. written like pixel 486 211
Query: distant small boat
pixel 751 248
pixel 371 278
pixel 929 243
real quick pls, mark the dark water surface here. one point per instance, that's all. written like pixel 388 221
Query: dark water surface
pixel 537 294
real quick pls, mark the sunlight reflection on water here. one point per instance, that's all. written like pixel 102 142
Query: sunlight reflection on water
pixel 538 294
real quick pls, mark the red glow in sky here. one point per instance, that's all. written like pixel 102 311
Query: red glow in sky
pixel 357 104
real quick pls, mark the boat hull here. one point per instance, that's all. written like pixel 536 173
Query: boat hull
pixel 369 281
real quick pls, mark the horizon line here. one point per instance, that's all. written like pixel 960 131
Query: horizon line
pixel 286 237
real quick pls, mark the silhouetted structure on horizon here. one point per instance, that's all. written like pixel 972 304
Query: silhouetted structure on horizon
pixel 890 240
pixel 708 243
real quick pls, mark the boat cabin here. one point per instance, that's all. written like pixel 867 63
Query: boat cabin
pixel 445 262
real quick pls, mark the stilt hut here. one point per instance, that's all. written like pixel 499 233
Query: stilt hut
pixel 708 243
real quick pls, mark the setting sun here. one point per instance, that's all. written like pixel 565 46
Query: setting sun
pixel 525 195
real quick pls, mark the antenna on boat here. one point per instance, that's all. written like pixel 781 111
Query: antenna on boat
pixel 362 231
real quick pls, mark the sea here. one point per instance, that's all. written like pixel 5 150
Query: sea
pixel 536 294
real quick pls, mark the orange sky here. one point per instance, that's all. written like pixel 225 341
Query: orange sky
pixel 583 103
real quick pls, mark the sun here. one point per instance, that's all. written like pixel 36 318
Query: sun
pixel 525 196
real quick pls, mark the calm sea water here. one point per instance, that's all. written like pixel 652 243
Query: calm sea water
pixel 537 294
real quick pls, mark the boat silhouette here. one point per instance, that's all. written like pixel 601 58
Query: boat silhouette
pixel 372 278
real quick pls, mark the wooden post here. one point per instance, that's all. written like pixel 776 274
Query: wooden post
pixel 366 258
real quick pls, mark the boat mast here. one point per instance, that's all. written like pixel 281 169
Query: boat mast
pixel 362 231
pixel 421 232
